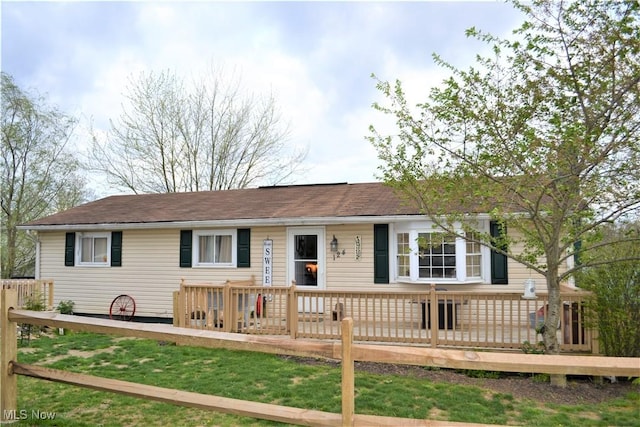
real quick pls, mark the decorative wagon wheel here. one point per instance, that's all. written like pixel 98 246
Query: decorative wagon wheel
pixel 123 307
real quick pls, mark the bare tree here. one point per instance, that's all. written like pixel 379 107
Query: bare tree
pixel 39 174
pixel 172 136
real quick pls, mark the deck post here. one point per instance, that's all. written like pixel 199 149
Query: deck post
pixel 228 309
pixel 50 294
pixel 9 346
pixel 432 311
pixel 182 304
pixel 176 304
pixel 292 311
pixel 348 377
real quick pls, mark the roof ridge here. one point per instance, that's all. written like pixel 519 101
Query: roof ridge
pixel 302 185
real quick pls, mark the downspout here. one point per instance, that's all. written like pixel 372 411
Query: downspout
pixel 36 272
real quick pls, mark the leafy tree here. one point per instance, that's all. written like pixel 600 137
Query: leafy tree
pixel 39 175
pixel 543 132
pixel 615 291
pixel 173 137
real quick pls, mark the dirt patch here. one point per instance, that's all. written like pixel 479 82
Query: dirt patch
pixel 579 390
pixel 78 353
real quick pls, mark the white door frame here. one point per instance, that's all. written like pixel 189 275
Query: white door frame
pixel 321 260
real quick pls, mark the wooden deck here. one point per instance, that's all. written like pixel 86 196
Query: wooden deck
pixel 462 320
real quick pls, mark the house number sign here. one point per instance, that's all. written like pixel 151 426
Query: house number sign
pixel 267 262
pixel 358 248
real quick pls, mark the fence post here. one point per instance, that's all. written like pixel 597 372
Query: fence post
pixel 348 377
pixel 432 311
pixel 9 345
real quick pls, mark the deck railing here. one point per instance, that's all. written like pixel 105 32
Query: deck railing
pixel 31 288
pixel 461 319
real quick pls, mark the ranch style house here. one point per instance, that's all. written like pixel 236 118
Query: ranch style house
pixel 357 237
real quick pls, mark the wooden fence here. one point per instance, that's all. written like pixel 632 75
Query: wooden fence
pixel 31 288
pixel 345 350
pixel 462 319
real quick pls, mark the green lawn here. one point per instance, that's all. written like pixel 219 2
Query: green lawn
pixel 263 378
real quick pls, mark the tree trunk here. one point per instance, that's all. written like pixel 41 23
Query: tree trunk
pixel 10 262
pixel 550 328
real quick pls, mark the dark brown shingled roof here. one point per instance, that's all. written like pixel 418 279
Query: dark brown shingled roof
pixel 296 201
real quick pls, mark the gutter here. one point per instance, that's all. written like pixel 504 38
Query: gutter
pixel 236 223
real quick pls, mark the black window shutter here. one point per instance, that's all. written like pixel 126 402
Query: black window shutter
pixel 499 270
pixel 381 253
pixel 185 248
pixel 116 249
pixel 69 249
pixel 244 248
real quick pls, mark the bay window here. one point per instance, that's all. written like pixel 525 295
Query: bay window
pixel 426 255
pixel 403 254
pixel 436 255
pixel 474 257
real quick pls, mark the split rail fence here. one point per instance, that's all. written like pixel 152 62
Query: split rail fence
pixel 345 350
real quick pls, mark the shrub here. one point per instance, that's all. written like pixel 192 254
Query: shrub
pixel 66 307
pixel 614 306
pixel 34 302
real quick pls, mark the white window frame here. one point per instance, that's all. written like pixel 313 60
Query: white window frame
pixel 417 227
pixel 223 232
pixel 93 235
pixel 481 252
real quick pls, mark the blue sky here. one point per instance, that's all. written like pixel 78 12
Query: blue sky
pixel 316 59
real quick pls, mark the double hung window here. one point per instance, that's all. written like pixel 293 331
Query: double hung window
pixel 474 256
pixel 215 248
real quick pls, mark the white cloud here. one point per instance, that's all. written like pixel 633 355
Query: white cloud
pixel 314 57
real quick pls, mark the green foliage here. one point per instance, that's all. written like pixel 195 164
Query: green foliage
pixel 65 307
pixel 39 174
pixel 614 305
pixel 474 373
pixel 541 378
pixel 529 348
pixel 543 134
pixel 34 302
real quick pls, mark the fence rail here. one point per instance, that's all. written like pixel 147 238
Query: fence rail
pixel 431 318
pixel 31 288
pixel 345 350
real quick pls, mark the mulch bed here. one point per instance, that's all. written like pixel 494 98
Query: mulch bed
pixel 579 390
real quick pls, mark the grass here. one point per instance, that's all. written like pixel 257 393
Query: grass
pixel 264 378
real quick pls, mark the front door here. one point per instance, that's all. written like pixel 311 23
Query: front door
pixel 306 254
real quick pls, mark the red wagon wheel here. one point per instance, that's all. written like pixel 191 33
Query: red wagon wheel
pixel 123 307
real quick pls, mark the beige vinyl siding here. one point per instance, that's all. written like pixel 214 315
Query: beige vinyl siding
pixel 149 273
pixel 518 273
pixel 345 272
pixel 258 236
pixel 150 269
